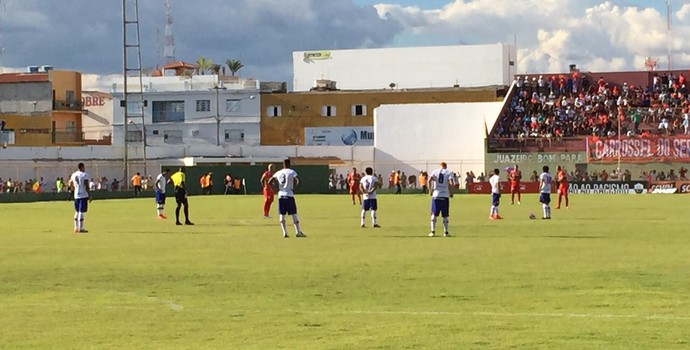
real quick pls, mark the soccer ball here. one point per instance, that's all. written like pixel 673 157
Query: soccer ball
pixel 532 216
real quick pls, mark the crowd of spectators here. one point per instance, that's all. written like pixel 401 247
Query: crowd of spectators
pixel 577 105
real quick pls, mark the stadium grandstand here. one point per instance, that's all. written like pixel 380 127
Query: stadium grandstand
pixel 556 112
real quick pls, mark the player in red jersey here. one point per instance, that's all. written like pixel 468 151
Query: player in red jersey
pixel 562 179
pixel 515 176
pixel 353 180
pixel 267 190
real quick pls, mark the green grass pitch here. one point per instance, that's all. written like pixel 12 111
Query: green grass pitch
pixel 609 273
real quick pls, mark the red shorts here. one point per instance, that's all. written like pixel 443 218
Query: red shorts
pixel 562 189
pixel 268 193
pixel 354 190
pixel 515 187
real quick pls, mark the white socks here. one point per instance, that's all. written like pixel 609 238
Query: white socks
pixel 295 221
pixel 363 215
pixel 445 224
pixel 433 223
pixel 78 221
pixel 547 210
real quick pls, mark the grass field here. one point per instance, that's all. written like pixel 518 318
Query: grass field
pixel 609 273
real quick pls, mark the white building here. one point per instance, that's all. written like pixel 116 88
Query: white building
pixel 412 67
pixel 182 110
pixel 97 122
pixel 454 133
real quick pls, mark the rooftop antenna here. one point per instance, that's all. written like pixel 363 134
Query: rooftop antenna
pixel 169 50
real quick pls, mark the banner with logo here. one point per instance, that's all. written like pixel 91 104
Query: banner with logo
pixel 639 149
pixel 663 187
pixel 608 187
pixel 339 136
pixel 504 187
pixel 683 187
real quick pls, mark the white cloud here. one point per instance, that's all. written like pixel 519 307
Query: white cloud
pixel 550 34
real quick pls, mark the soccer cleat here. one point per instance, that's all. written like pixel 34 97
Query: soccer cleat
pixel 558 207
pixel 363 226
pixel 301 235
pixel 162 216
pixel 76 230
pixel 83 231
pixel 492 217
pixel 266 217
pixel 446 234
pixel 511 203
pixel 498 217
pixel 518 202
pixel 178 223
pixel 188 223
pixel 285 235
pixel 432 234
pixel 376 226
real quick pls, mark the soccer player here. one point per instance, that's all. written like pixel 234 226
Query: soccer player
pixel 267 190
pixel 368 185
pixel 353 180
pixel 287 180
pixel 440 184
pixel 79 180
pixel 495 182
pixel 515 177
pixel 159 191
pixel 178 180
pixel 545 180
pixel 562 178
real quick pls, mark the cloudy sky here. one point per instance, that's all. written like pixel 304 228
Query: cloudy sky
pixel 85 35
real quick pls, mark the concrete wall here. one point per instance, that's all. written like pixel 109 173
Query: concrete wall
pixel 415 67
pixel 19 98
pixel 411 138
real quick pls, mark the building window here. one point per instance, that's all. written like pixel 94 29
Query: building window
pixel 69 96
pixel 203 105
pixel 135 136
pixel 70 126
pixel 232 105
pixel 359 110
pixel 328 111
pixel 234 135
pixel 274 111
pixel 172 136
pixel 167 111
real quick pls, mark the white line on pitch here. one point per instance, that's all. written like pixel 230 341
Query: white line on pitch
pixel 503 314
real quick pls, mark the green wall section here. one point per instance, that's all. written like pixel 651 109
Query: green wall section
pixel 313 178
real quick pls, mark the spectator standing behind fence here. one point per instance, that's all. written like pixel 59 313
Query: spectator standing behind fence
pixel 136 183
pixel 423 177
pixel 396 182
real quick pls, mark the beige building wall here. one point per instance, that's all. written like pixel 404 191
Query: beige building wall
pixel 285 115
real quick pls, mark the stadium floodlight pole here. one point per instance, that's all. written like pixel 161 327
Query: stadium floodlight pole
pixel 124 91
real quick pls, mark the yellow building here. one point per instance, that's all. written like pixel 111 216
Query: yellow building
pixel 41 108
pixel 284 116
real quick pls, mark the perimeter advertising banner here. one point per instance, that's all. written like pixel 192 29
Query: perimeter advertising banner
pixel 639 149
pixel 339 136
pixel 608 187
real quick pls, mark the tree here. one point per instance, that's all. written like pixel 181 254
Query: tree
pixel 203 64
pixel 215 68
pixel 234 66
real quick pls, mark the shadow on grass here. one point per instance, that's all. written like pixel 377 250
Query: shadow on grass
pixel 574 237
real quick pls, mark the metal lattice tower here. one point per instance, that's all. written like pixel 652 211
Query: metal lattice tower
pixel 169 50
pixel 132 96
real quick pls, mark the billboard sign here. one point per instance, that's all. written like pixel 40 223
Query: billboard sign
pixel 339 136
pixel 639 149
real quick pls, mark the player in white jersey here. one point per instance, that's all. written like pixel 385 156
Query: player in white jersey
pixel 159 191
pixel 441 184
pixel 368 186
pixel 545 180
pixel 495 182
pixel 79 181
pixel 287 180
